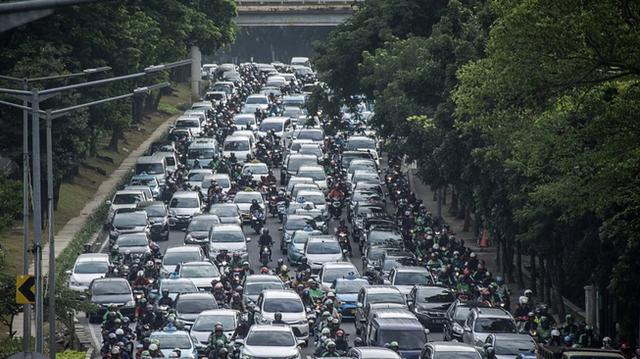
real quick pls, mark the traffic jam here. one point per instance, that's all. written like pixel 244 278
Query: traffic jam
pixel 259 230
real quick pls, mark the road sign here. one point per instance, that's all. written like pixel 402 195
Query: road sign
pixel 25 289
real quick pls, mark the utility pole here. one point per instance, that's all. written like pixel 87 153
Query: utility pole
pixel 26 308
pixel 196 59
pixel 37 216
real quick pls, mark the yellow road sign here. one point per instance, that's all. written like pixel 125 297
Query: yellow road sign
pixel 25 289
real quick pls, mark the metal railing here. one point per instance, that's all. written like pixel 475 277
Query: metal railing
pixel 298 2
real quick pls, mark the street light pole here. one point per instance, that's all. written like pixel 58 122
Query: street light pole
pixel 37 216
pixel 52 253
pixel 26 308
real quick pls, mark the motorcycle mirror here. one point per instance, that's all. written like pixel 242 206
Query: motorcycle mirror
pixel 248 239
pixel 280 229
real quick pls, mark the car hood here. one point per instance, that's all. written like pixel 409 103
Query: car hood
pixel 188 317
pixel 112 298
pixel 433 307
pixel 185 211
pixel 140 249
pixel 133 229
pixel 85 279
pixel 156 220
pixel 289 318
pixel 231 246
pixel 324 258
pixel 203 336
pixel 199 234
pixel 347 298
pixel 203 282
pixel 269 352
pixel 230 220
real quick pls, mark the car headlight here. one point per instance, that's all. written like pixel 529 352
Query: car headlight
pixel 188 237
pixel 457 328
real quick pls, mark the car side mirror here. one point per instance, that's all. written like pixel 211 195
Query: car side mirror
pixel 427 331
pixel 359 305
pixel 248 239
pixel 467 328
pixel 108 202
pixel 239 341
pixel 67 272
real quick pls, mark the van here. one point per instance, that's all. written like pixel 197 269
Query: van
pixel 170 159
pixel 152 165
pixel 192 123
pixel 299 60
pixel 408 332
pixel 204 150
pixel 240 146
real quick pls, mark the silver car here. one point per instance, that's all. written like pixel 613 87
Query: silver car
pixel 270 341
pixel 207 320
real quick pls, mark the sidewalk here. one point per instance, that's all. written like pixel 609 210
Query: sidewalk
pixel 65 235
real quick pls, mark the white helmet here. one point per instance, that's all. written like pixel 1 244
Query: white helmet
pixel 523 300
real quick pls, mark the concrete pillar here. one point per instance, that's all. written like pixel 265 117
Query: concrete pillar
pixel 196 66
pixel 590 306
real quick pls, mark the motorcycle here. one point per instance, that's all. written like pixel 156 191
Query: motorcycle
pixel 282 210
pixel 257 221
pixel 265 255
pixel 273 205
pixel 343 239
pixel 336 208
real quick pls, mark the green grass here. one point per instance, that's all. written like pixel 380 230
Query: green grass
pixel 81 189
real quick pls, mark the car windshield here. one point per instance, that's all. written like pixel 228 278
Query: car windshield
pixel 199 153
pixel 255 100
pixel 199 271
pixel 255 169
pixel 155 211
pixel 224 211
pixel 130 220
pixel 258 287
pixel 323 248
pixel 378 237
pixel 127 198
pixel 391 263
pixel 196 176
pixel 494 325
pixel 315 198
pixel 227 236
pixel 456 355
pixel 514 347
pixel 362 210
pixel 350 286
pixel 187 123
pixel 184 202
pixel 201 225
pixel 247 197
pixel 301 237
pixel 366 177
pixel 173 258
pixel 271 339
pixel 173 341
pixel 239 145
pixel 315 175
pixel 292 112
pixel 92 267
pixel 275 126
pixel 178 286
pixel 206 323
pixel 195 306
pixel 434 295
pixel 131 241
pixel 407 339
pixel 355 144
pixel 310 135
pixel 149 168
pixel 395 298
pixel 411 278
pixel 109 288
pixel 331 274
pixel 283 305
pixel 295 163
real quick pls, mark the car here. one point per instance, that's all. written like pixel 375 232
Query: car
pixel 293 162
pixel 407 332
pixel 430 304
pixel 255 101
pixel 198 230
pixel 330 271
pixel 375 294
pixel 322 249
pixel 295 182
pixel 508 346
pixel 287 302
pixel 295 246
pixel 201 273
pixel 147 183
pixel 311 149
pixel 227 212
pixel 217 97
pixel 270 341
pixel 316 173
pixel 363 143
pixel 437 350
pixel 191 123
pixel 394 259
pixel 207 320
pixel 382 236
pixel 384 310
pixel 158 215
pixel 88 266
pixel 240 146
pixel 152 165
pixel 171 339
pixel 300 60
pixel 134 244
pixel 244 199
pixel 174 256
pixel 349 156
pixel 258 170
pixel 346 289
pixel 314 196
pixel 254 284
pixel 372 353
pixel 124 199
pixel 244 121
pixel 146 190
pixel 183 206
pixel 104 292
pixel 128 222
pixel 295 101
pixel 279 125
pixel 405 277
pixel 189 305
pixel 195 176
pixel 291 224
pixel 176 286
pixel 373 255
pixel 170 159
pixel 456 316
pixel 484 321
pixel 229 237
pixel 364 176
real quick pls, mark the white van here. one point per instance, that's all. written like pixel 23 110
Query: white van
pixel 155 165
pixel 204 150
pixel 240 146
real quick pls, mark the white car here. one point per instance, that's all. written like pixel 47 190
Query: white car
pixel 315 196
pixel 124 199
pixel 258 170
pixel 331 271
pixel 221 179
pixel 254 102
pixel 201 273
pixel 322 249
pixel 88 267
pixel 170 340
pixel 279 125
pixel 240 146
pixel 229 237
pixel 183 206
pixel 207 320
pixel 316 173
pixel 287 302
pixel 182 254
pixel 270 341
pixel 241 121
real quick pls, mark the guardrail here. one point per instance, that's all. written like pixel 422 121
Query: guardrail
pixel 301 2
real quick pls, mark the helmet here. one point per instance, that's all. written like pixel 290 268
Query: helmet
pixel 140 274
pixel 277 316
pixel 568 318
pixel 325 331
pixel 523 300
pixel 153 347
pixel 254 201
pixel 326 314
pixel 328 302
pixel 568 340
pixel 115 248
pixel 218 327
pixel 115 350
pixel 499 280
pixel 528 292
pixel 331 295
pixel 264 270
pixel 331 344
pixel 165 292
pixel 218 286
pixel 335 321
pixel 339 333
pixel 394 344
pixel 284 268
pixel 119 331
pixel 280 261
pixel 555 333
pixel 266 231
pixel 357 342
pixel 472 255
pixel 606 341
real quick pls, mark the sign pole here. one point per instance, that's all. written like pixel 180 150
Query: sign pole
pixel 52 253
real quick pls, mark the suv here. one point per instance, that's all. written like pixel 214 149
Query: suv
pixel 375 294
pixel 287 302
pixel 322 249
pixel 484 321
pixel 449 350
pixel 128 222
pixel 111 291
pixel 455 317
pixel 229 237
pixel 189 305
pixel 183 206
pixel 405 277
pixel 269 341
pixel 430 303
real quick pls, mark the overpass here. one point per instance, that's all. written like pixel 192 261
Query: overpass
pixel 294 13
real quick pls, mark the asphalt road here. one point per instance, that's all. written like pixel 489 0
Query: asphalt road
pixel 176 238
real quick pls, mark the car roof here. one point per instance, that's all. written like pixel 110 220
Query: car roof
pixel 185 194
pixel 263 278
pixel 412 269
pixel 400 323
pixel 492 312
pixel 193 248
pixel 376 352
pixel 309 191
pixel 512 336
pixel 197 263
pixel 339 265
pixel 310 167
pixel 219 312
pixel 382 288
pixel 275 119
pixel 93 257
pixel 226 227
pixel 280 293
pixel 321 239
pixel 236 138
pixel 199 295
pixel 270 327
pixel 452 346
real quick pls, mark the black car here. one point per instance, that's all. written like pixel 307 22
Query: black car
pixel 430 304
pixel 382 235
pixel 158 215
pixel 455 316
pixel 126 222
pixel 106 291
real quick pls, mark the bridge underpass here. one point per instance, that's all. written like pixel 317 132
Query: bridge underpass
pixel 276 30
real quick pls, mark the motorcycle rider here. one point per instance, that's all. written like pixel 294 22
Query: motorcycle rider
pixel 265 240
pixel 165 300
pixel 569 328
pixel 116 256
pixel 303 266
pixel 217 339
pixel 503 292
pixel 587 339
pixel 269 179
pixel 394 346
pixel 342 344
pixel 255 206
pixel 330 350
pixel 277 318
